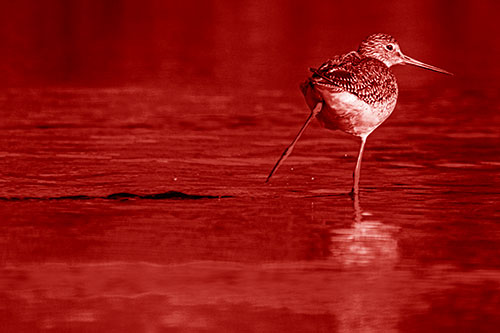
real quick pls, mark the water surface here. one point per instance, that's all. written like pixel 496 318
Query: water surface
pixel 417 251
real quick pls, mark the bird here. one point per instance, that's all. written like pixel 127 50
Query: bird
pixel 355 92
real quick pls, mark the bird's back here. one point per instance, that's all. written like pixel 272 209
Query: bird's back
pixel 359 93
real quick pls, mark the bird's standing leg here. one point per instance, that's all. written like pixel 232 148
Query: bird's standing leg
pixel 357 170
pixel 289 149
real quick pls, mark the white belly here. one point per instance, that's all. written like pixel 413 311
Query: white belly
pixel 346 112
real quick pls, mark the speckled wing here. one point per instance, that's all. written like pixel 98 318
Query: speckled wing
pixel 367 78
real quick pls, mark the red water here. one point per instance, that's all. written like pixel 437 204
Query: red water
pixel 107 108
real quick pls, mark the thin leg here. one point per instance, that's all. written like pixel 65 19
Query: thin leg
pixel 289 149
pixel 357 208
pixel 357 170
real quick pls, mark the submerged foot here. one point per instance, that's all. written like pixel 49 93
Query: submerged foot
pixel 354 193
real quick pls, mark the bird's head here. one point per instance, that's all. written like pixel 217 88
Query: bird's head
pixel 385 48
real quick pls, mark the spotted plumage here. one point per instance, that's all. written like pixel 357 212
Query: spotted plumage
pixel 367 78
pixel 355 92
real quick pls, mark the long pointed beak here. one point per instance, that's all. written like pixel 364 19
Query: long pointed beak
pixel 411 61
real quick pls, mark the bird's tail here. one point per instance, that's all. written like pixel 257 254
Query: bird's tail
pixel 304 86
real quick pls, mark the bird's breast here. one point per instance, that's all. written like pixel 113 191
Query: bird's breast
pixel 347 112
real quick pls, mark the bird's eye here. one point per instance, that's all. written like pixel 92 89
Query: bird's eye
pixel 389 47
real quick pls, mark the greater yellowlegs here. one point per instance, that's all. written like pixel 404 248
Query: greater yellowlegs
pixel 355 92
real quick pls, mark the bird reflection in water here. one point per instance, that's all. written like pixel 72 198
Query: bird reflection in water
pixel 368 242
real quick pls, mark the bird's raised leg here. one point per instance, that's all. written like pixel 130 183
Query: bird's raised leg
pixel 289 149
pixel 357 170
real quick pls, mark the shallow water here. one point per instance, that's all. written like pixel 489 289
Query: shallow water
pixel 417 252
pixel 135 138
